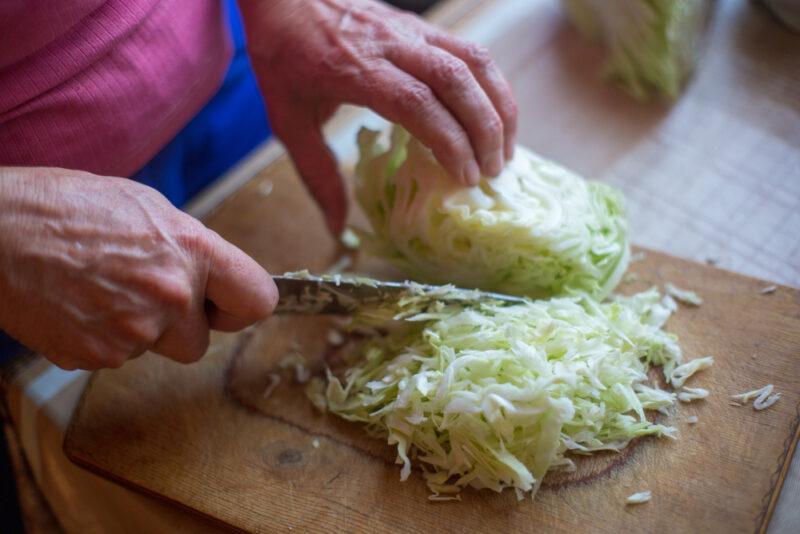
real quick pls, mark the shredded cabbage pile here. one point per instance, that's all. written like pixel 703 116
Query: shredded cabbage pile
pixel 493 396
pixel 652 44
pixel 537 229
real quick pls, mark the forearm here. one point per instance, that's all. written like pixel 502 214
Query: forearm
pixel 28 210
pixel 20 195
pixel 13 182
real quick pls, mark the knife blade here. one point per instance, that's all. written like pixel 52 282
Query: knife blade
pixel 317 295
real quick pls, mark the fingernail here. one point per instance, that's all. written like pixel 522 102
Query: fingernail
pixel 493 163
pixel 472 175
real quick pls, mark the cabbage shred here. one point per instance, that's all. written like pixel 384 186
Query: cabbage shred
pixel 537 229
pixel 494 396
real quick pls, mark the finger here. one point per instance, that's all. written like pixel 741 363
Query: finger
pixel 186 341
pixel 317 167
pixel 455 86
pixel 402 98
pixel 223 321
pixel 72 364
pixel 94 351
pixel 488 75
pixel 236 284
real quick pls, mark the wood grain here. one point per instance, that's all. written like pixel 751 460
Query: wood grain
pixel 204 437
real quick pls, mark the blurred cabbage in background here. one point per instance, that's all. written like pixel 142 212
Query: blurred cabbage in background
pixel 653 45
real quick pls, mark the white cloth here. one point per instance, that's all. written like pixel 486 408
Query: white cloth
pixel 42 400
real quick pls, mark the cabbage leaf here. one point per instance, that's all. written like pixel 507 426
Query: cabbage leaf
pixel 536 230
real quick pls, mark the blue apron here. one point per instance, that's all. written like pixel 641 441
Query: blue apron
pixel 222 133
pixel 231 125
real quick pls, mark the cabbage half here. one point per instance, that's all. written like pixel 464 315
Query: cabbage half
pixel 493 396
pixel 537 229
pixel 652 44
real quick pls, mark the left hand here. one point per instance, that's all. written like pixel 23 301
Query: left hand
pixel 310 56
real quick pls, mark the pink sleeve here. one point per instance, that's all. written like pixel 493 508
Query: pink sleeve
pixel 108 86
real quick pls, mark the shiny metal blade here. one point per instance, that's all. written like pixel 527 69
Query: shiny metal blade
pixel 314 295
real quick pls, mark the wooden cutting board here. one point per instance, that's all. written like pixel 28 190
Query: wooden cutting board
pixel 205 437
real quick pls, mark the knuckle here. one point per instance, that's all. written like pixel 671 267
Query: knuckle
pixel 492 126
pixel 415 97
pixel 148 194
pixel 508 110
pixel 192 236
pixel 453 71
pixel 169 291
pixel 383 29
pixel 176 293
pixel 137 331
pixel 373 84
pixel 478 56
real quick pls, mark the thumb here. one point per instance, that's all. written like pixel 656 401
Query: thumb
pixel 238 290
pixel 317 167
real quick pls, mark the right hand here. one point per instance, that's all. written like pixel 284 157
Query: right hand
pixel 97 270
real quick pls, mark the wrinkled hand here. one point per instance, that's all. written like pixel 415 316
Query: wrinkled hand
pixel 310 56
pixel 97 270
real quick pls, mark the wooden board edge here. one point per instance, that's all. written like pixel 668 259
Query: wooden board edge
pixel 73 454
pixel 694 262
pixel 210 519
pixel 67 445
pixel 779 476
pixel 211 197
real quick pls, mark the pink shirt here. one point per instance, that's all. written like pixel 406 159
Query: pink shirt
pixel 102 85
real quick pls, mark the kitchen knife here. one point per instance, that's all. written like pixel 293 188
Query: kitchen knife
pixel 332 294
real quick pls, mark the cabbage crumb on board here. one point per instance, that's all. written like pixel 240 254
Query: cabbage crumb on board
pixel 639 498
pixel 683 295
pixel 535 230
pixel 495 396
pixel 762 398
pixel 692 394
